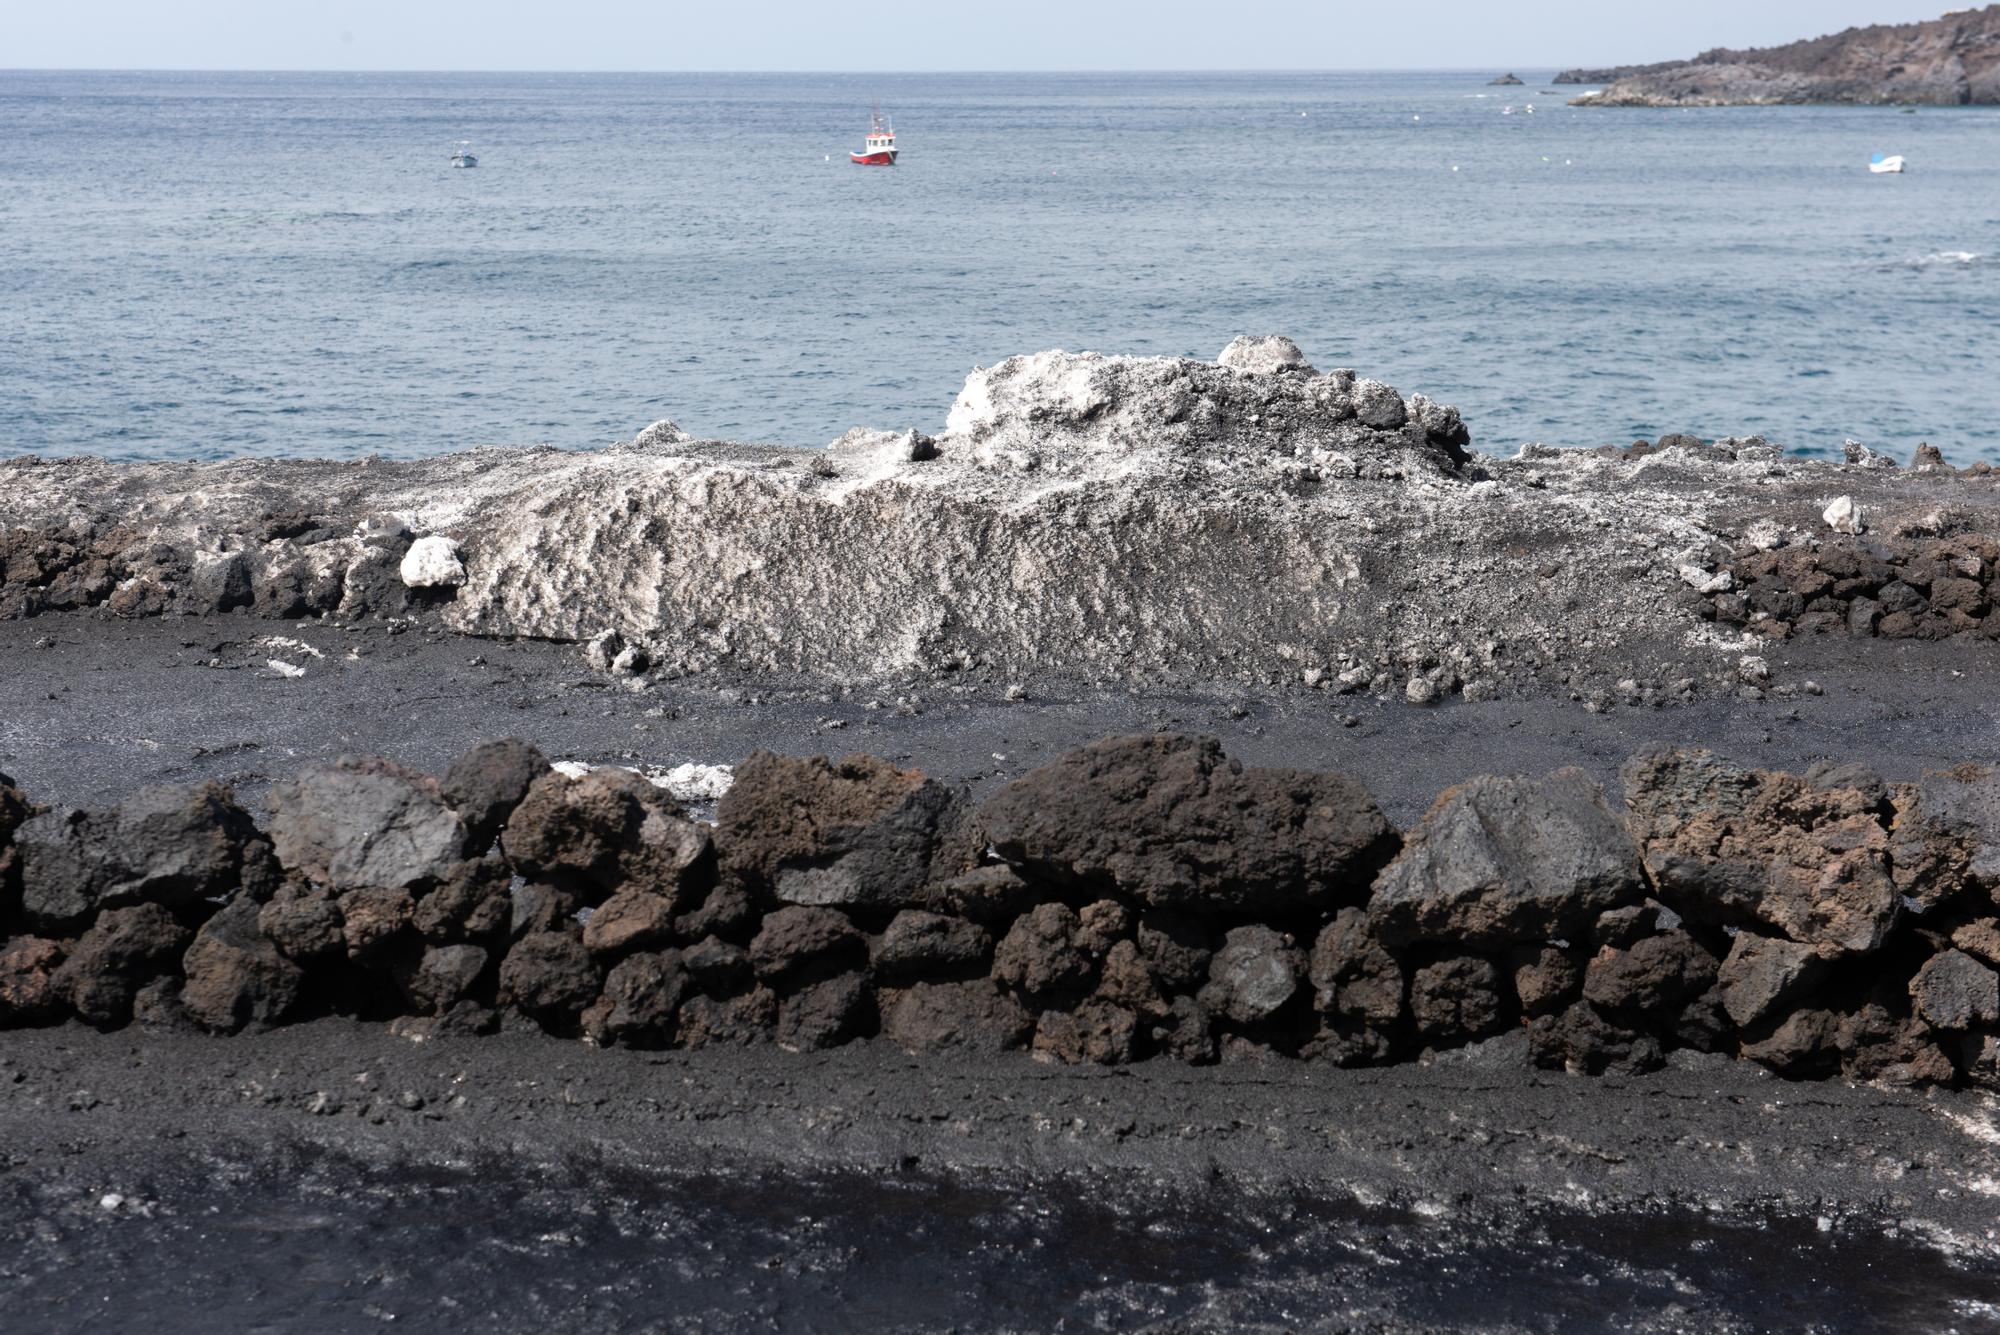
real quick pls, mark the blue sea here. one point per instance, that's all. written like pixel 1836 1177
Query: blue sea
pixel 225 265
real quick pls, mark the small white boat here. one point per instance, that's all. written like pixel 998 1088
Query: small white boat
pixel 464 156
pixel 1881 165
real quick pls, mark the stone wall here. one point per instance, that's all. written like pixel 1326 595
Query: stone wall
pixel 1141 897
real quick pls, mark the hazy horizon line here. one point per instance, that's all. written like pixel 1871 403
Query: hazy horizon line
pixel 1131 69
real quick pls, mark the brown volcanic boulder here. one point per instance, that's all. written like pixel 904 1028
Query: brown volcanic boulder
pixel 486 783
pixel 121 953
pixel 28 992
pixel 1659 973
pixel 1040 957
pixel 972 1016
pixel 1457 1000
pixel 1726 844
pixel 365 823
pixel 1764 975
pixel 1500 861
pixel 627 920
pixel 917 944
pixel 173 845
pixel 1353 974
pixel 854 833
pixel 826 1014
pixel 642 995
pixel 611 830
pixel 1172 822
pixel 549 975
pixel 799 943
pixel 235 975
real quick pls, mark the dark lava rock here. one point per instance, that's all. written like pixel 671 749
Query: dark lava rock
pixel 486 783
pixel 1457 1000
pixel 549 975
pixel 28 991
pixel 994 895
pixel 1955 991
pixel 1039 956
pixel 377 923
pixel 1187 1032
pixel 1805 1043
pixel 642 996
pixel 1254 974
pixel 1354 974
pixel 473 904
pixel 1624 926
pixel 123 951
pixel 737 1021
pixel 217 583
pixel 1546 980
pixel 628 920
pixel 727 912
pixel 171 845
pixel 303 920
pixel 365 823
pixel 1584 1042
pixel 1764 975
pixel 718 967
pixel 917 944
pixel 234 975
pixel 444 976
pixel 973 1016
pixel 1102 925
pixel 1097 1033
pixel 610 830
pixel 801 942
pixel 1947 836
pixel 855 833
pixel 1171 822
pixel 1659 973
pixel 826 1014
pixel 1499 861
pixel 1125 980
pixel 1176 947
pixel 1731 845
pixel 540 908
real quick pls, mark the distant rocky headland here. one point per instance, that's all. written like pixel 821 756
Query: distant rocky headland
pixel 1948 61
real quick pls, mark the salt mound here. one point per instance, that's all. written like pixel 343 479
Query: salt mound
pixel 1083 413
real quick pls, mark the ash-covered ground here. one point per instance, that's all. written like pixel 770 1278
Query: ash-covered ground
pixel 1291 562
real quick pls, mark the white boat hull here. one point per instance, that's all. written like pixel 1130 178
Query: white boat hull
pixel 1886 166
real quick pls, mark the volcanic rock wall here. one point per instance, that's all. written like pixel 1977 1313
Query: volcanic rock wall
pixel 1143 896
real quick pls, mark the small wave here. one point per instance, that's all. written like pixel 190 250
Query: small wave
pixel 1942 259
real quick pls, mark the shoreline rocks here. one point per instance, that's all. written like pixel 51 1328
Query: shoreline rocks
pixel 1948 61
pixel 1142 897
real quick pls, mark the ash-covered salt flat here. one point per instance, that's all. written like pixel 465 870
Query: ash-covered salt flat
pixel 1150 521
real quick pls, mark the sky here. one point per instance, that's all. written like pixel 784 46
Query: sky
pixel 887 35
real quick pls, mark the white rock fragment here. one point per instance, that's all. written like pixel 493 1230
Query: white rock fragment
pixel 432 563
pixel 1861 456
pixel 284 669
pixel 1764 536
pixel 1421 691
pixel 693 782
pixel 1704 581
pixel 609 652
pixel 1844 516
pixel 1752 670
pixel 663 432
pixel 1263 354
pixel 571 769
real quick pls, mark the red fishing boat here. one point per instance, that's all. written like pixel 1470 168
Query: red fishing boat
pixel 881 148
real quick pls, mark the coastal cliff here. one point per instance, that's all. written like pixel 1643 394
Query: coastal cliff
pixel 1948 61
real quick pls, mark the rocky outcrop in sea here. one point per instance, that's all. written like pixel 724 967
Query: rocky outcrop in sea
pixel 1948 61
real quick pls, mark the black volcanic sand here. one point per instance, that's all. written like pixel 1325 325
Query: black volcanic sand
pixel 91 709
pixel 332 1177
